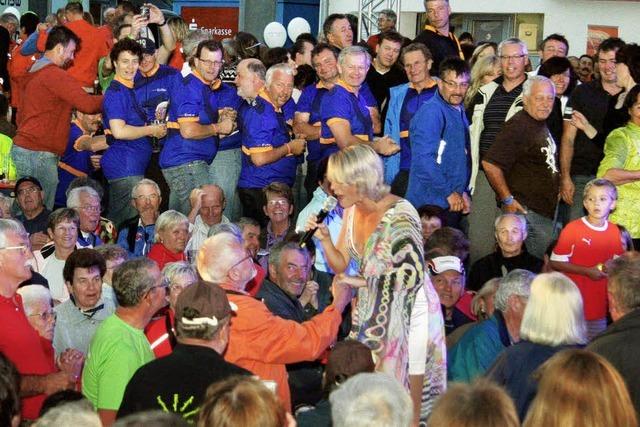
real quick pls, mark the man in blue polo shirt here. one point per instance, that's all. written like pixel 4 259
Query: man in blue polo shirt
pixel 269 152
pixel 307 117
pixel 195 122
pixel 346 118
pixel 405 100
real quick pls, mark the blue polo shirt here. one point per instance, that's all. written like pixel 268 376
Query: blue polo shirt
pixel 194 100
pixel 154 88
pixel 412 102
pixel 73 163
pixel 341 103
pixel 124 158
pixel 230 99
pixel 263 129
pixel 309 103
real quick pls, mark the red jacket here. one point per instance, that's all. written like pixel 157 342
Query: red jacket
pixel 18 65
pixel 44 113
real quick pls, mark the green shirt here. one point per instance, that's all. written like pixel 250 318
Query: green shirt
pixel 115 354
pixel 104 81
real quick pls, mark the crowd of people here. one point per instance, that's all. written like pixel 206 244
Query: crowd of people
pixel 389 232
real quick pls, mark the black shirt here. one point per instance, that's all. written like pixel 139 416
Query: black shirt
pixel 440 46
pixel 36 224
pixel 495 113
pixel 184 374
pixel 379 84
pixel 495 265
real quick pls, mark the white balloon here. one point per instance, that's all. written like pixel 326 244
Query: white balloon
pixel 275 35
pixel 15 12
pixel 296 27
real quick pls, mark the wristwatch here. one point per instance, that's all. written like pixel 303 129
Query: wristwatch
pixel 507 201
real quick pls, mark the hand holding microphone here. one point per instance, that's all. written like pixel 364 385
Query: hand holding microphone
pixel 315 221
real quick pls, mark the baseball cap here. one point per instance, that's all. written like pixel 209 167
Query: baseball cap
pixel 28 179
pixel 203 303
pixel 441 264
pixel 148 45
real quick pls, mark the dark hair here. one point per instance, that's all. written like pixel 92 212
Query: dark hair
pixel 74 7
pixel 430 211
pixel 416 47
pixel 280 189
pixel 4 105
pixel 392 36
pixel 120 28
pixel 247 45
pixel 449 240
pixel 127 6
pixel 9 389
pixel 61 35
pixel 558 65
pixel 59 398
pixel 612 43
pixel 557 37
pixel 83 258
pixel 632 97
pixel 307 37
pixel 346 359
pixel 322 169
pixel 63 214
pixel 132 280
pixel 125 45
pixel 630 56
pixel 305 76
pixel 328 23
pixel 29 21
pixel 465 36
pixel 586 56
pixel 210 45
pixel 112 252
pixel 457 65
pixel 320 47
pixel 298 47
pixel 275 55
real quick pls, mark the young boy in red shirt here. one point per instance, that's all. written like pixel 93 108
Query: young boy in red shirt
pixel 585 245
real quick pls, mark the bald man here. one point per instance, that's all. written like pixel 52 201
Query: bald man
pixel 207 204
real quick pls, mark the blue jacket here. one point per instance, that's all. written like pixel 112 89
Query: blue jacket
pixel 392 128
pixel 440 153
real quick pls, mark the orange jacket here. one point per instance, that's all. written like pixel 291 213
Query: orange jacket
pixel 263 343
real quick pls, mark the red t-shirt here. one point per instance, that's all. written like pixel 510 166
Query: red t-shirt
pixel 585 245
pixel 177 57
pixel 23 346
pixel 254 285
pixel 162 256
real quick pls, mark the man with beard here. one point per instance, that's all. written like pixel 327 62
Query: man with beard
pixel 49 95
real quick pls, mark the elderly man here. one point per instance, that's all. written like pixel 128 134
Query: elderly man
pixel 20 343
pixel 35 215
pixel 437 34
pixel 347 117
pixel 511 253
pixel 136 235
pixel 86 201
pixel 619 342
pixel 250 229
pixel 495 103
pixel 278 208
pixel 119 346
pixel 478 348
pixel 207 205
pixel 203 315
pixel 85 310
pixel 387 19
pixel 269 152
pixel 259 341
pixel 196 121
pixel 337 31
pixel 439 139
pixel 522 167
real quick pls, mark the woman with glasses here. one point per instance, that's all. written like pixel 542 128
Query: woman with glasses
pixel 172 235
pixel 160 332
pixel 129 152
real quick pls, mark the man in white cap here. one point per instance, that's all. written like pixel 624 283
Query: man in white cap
pixel 447 276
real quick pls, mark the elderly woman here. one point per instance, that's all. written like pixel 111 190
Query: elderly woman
pixel 510 253
pixel 382 233
pixel 172 235
pixel 621 165
pixel 553 321
pixel 160 332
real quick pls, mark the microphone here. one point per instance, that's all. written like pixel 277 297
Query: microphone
pixel 329 204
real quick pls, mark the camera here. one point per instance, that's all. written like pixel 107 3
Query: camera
pixel 568 113
pixel 145 12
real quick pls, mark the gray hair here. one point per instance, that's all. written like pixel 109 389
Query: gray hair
pixel 371 400
pixel 10 226
pixel 73 198
pixel 256 67
pixel 169 219
pixel 624 281
pixel 225 227
pixel 192 40
pixel 9 18
pixel 554 314
pixel 521 219
pixel 390 14
pixel 245 221
pixel 527 87
pixel 173 270
pixel 354 50
pixel 279 248
pixel 145 181
pixel 156 418
pixel 285 68
pixel 112 252
pixel 131 280
pixel 516 282
pixel 489 288
pixel 78 413
pixel 513 40
pixel 108 11
pixel 216 256
pixel 32 294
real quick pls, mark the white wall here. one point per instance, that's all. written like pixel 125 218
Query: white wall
pixel 568 17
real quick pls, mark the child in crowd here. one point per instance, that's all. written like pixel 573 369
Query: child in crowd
pixel 585 245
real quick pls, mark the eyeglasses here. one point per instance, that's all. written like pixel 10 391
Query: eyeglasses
pixel 211 63
pixel 28 190
pixel 278 203
pixel 91 209
pixel 23 248
pixel 507 58
pixel 239 262
pixel 454 85
pixel 46 316
pixel 149 198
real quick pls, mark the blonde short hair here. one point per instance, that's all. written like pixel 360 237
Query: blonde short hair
pixel 554 314
pixel 359 165
pixel 167 220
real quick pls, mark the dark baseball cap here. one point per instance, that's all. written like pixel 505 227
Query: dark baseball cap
pixel 28 179
pixel 203 303
pixel 148 45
